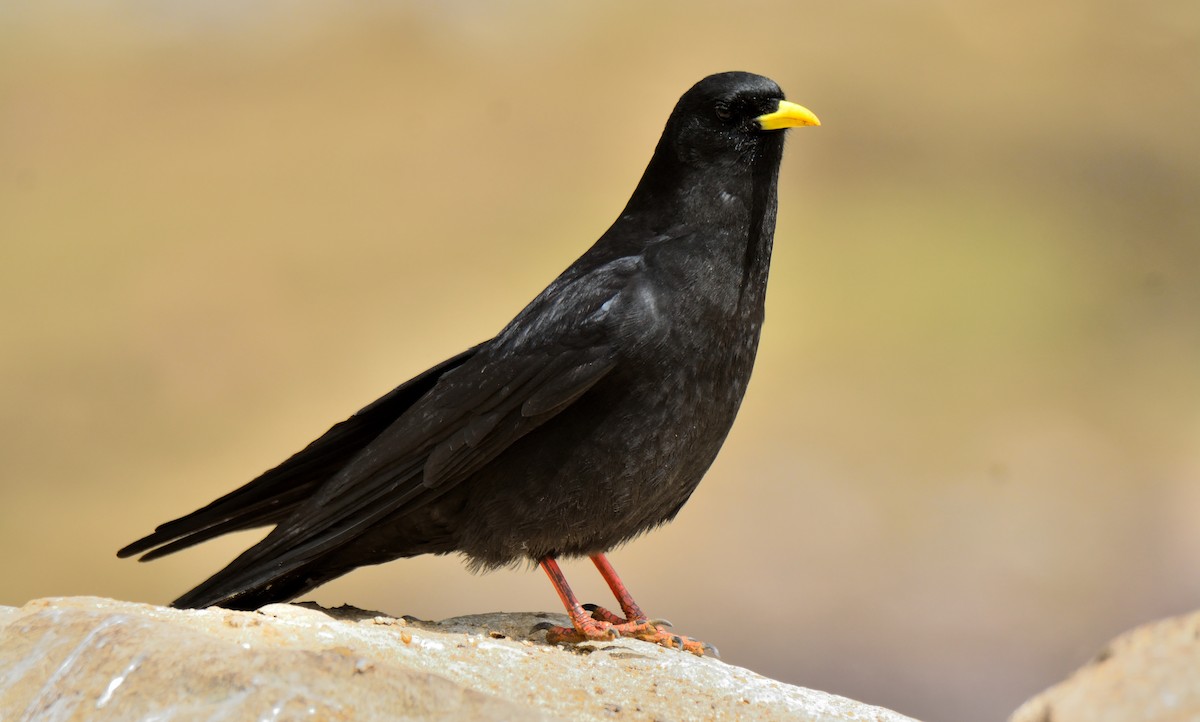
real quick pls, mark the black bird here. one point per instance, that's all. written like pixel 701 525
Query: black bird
pixel 588 420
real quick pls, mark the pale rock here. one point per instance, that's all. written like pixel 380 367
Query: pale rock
pixel 84 658
pixel 1149 674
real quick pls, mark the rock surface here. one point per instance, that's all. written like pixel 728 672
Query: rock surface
pixel 84 658
pixel 1150 674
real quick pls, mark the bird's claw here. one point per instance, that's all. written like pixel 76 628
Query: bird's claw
pixel 601 625
pixel 682 643
pixel 658 634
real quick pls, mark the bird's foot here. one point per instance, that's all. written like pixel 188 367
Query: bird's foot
pixel 664 637
pixel 585 629
pixel 592 623
pixel 601 625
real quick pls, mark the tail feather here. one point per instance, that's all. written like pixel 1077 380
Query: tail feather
pixel 277 493
pixel 249 519
pixel 216 593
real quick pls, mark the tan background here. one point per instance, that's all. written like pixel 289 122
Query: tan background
pixel 969 454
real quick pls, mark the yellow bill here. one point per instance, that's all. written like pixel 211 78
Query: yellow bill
pixel 788 115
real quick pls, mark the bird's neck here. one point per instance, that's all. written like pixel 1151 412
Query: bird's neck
pixel 764 204
pixel 732 208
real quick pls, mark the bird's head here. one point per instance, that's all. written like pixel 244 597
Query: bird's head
pixel 726 116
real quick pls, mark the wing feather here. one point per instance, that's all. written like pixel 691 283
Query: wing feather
pixel 475 411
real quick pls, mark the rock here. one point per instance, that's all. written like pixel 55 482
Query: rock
pixel 84 658
pixel 1150 674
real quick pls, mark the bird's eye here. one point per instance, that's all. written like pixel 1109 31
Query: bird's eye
pixel 723 111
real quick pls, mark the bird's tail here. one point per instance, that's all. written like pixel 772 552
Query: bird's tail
pixel 277 493
pixel 216 591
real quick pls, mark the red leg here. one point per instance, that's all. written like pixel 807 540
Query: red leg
pixel 602 625
pixel 585 627
pixel 631 609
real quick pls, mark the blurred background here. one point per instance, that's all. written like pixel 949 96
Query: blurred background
pixel 969 455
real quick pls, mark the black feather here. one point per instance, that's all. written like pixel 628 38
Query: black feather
pixel 587 420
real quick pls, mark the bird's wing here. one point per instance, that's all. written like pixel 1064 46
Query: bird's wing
pixel 558 348
pixel 275 494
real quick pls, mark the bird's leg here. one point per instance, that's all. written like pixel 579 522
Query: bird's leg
pixel 633 613
pixel 598 624
pixel 635 624
pixel 584 627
